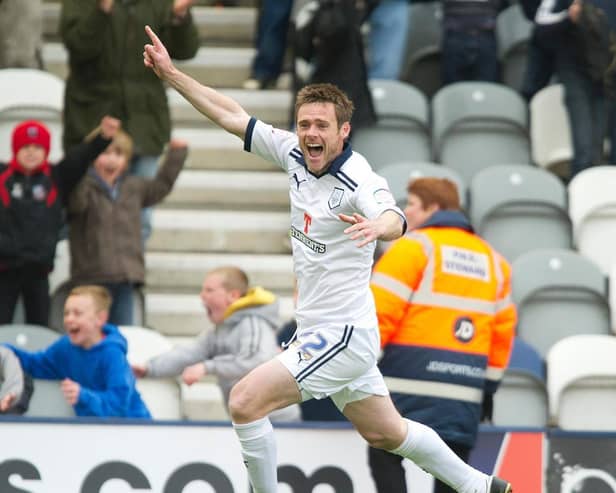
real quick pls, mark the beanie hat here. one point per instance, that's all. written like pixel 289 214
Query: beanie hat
pixel 31 132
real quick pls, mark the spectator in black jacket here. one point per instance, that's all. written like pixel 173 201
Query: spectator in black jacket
pixel 569 26
pixel 32 200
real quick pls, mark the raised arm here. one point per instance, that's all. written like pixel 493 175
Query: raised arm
pixel 222 110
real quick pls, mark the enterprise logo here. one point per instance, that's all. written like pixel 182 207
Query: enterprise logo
pixel 315 246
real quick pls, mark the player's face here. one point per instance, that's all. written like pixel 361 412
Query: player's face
pixel 320 139
pixel 110 164
pixel 83 321
pixel 215 297
pixel 415 212
pixel 30 156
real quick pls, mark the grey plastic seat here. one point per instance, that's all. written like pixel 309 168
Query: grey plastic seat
pixel 399 174
pixel 422 61
pixel 559 293
pixel 402 131
pixel 479 124
pixel 522 397
pixel 513 33
pixel 583 394
pixel 47 399
pixel 519 209
pixel 27 94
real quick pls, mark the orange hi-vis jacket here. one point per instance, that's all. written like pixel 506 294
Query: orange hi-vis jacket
pixel 447 322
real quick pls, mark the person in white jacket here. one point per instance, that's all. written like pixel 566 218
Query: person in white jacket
pixel 244 336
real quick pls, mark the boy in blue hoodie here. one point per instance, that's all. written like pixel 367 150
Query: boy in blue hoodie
pixel 90 359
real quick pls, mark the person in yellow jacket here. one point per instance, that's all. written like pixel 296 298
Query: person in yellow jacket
pixel 447 322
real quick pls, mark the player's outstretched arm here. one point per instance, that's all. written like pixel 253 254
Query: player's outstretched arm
pixel 222 110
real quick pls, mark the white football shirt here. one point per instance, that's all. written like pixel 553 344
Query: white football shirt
pixel 333 274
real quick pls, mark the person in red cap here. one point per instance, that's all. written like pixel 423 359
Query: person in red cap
pixel 32 200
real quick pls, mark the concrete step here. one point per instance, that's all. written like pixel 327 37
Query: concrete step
pixel 217 26
pixel 182 316
pixel 168 271
pixel 214 66
pixel 271 106
pixel 219 231
pixel 243 189
pixel 216 149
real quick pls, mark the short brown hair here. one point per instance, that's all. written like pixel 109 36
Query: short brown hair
pixel 326 93
pixel 100 295
pixel 233 278
pixel 440 191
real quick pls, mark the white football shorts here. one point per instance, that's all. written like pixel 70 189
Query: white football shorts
pixel 334 361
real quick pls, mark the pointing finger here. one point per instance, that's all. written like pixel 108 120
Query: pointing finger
pixel 155 41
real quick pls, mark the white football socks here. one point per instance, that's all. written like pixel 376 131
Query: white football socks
pixel 259 453
pixel 425 448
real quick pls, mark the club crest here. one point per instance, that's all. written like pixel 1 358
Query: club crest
pixel 335 199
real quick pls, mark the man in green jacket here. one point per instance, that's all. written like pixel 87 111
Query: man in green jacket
pixel 105 40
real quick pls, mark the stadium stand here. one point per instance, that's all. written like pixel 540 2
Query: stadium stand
pixel 422 62
pixel 398 175
pixel 161 395
pixel 582 396
pixel 592 208
pixel 559 293
pixel 519 209
pixel 524 381
pixel 402 129
pixel 549 130
pixel 513 34
pixel 40 97
pixel 47 399
pixel 479 124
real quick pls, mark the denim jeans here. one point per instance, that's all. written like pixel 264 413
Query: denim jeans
pixel 587 112
pixel 271 39
pixel 121 312
pixel 469 55
pixel 145 166
pixel 389 25
pixel 539 69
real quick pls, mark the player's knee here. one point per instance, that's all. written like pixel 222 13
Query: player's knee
pixel 239 405
pixel 381 440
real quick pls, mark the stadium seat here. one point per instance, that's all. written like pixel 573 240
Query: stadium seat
pixel 27 94
pixel 521 398
pixel 479 124
pixel 582 382
pixel 558 293
pixel 161 395
pixel 422 60
pixel 402 130
pixel 61 266
pixel 513 32
pixel 47 399
pixel 519 209
pixel 399 174
pixel 550 134
pixel 592 208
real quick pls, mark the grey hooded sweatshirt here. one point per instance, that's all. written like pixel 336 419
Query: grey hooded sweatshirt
pixel 244 340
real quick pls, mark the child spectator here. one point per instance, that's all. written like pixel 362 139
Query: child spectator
pixel 90 359
pixel 104 214
pixel 245 321
pixel 32 199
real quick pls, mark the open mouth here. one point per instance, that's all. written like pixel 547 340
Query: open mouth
pixel 72 331
pixel 314 150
